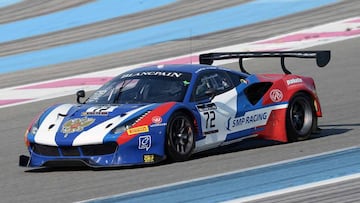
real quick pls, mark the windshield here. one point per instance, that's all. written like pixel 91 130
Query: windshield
pixel 143 87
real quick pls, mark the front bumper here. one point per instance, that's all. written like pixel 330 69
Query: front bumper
pixel 103 155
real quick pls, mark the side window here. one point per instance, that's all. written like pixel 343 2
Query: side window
pixel 217 81
pixel 236 78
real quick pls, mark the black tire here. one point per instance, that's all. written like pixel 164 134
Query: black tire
pixel 300 117
pixel 180 137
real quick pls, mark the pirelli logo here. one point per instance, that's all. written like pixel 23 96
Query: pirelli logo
pixel 137 130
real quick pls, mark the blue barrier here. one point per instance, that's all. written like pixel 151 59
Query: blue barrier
pixel 84 14
pixel 244 14
pixel 5 3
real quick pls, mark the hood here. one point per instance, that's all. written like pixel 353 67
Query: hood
pixel 73 125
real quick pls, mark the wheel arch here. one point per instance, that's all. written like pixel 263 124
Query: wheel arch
pixel 313 96
pixel 191 116
pixel 277 130
pixel 172 153
pixel 312 103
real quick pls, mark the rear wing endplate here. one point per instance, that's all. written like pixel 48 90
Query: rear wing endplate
pixel 322 57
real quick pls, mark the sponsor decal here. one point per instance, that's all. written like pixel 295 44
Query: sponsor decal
pixel 206 107
pixel 251 119
pixel 153 73
pixel 276 95
pixel 211 132
pixel 137 130
pixel 99 110
pixel 158 125
pixel 294 81
pixel 209 68
pixel 76 125
pixel 149 158
pixel 156 119
pixel 95 113
pixel 145 142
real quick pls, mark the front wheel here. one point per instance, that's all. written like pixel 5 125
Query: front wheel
pixel 180 138
pixel 300 118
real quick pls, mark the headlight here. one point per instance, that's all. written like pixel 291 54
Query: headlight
pixel 120 129
pixel 34 126
pixel 34 129
pixel 123 127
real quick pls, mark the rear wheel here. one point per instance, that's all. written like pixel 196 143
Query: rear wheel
pixel 180 141
pixel 300 118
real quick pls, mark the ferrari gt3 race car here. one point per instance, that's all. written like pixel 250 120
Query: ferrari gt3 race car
pixel 162 112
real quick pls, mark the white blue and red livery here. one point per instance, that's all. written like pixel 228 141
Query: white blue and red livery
pixel 173 111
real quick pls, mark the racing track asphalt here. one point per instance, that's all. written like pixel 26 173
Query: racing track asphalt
pixel 249 33
pixel 337 87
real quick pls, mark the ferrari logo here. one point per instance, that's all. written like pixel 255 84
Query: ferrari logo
pixel 76 125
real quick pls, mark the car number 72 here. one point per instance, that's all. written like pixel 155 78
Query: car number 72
pixel 210 118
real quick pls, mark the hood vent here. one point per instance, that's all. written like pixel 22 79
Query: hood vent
pixel 141 117
pixel 108 126
pixel 51 126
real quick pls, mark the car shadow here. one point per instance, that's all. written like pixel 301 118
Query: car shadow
pixel 57 169
pixel 251 143
pixel 89 168
pixel 331 130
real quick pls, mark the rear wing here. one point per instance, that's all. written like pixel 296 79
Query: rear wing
pixel 322 57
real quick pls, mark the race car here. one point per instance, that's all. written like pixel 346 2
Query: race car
pixel 158 112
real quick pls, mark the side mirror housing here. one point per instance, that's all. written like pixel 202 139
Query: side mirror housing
pixel 80 94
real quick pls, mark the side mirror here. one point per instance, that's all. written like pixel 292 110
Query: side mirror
pixel 80 94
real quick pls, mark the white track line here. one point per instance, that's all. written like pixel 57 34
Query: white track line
pixel 295 189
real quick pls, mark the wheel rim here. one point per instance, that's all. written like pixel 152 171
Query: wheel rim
pixel 301 116
pixel 182 135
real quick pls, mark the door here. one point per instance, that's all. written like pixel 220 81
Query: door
pixel 216 101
